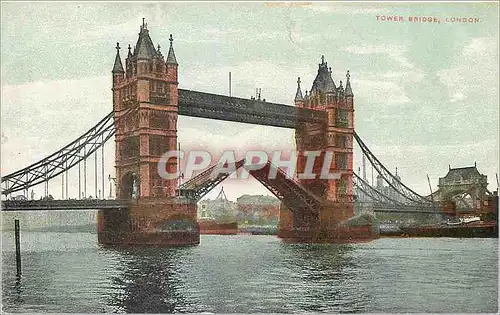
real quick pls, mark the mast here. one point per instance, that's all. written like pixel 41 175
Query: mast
pixel 430 187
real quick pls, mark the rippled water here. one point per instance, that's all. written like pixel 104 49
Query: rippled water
pixel 65 272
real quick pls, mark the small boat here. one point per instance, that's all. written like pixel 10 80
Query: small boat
pixel 464 220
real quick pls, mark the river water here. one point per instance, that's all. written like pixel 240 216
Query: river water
pixel 70 272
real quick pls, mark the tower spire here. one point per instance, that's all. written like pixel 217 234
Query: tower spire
pixel 348 90
pixel 340 91
pixel 298 95
pixel 118 67
pixel 171 55
pixel 159 52
pixel 323 81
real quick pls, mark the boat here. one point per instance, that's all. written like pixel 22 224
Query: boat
pixel 258 230
pixel 464 220
pixel 481 222
pixel 211 226
pixel 479 229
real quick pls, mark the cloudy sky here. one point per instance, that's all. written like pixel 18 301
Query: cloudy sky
pixel 426 94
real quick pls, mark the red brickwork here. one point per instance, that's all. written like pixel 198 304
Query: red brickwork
pixel 336 138
pixel 155 217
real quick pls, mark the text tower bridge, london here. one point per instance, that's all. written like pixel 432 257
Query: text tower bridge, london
pixel 156 211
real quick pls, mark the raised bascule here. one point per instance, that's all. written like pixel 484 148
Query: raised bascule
pixel 151 210
pixel 149 85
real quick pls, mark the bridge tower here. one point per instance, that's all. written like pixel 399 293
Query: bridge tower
pixel 145 99
pixel 465 186
pixel 332 142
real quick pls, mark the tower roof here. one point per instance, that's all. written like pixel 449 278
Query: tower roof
pixel 323 81
pixel 348 90
pixel 298 95
pixel 465 173
pixel 144 49
pixel 118 67
pixel 171 55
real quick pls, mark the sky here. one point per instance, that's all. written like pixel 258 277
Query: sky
pixel 425 94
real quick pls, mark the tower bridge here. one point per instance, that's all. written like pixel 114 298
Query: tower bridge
pixel 151 210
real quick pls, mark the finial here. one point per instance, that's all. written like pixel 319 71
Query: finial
pixel 330 70
pixel 129 48
pixel 322 59
pixel 159 47
pixel 306 92
pixel 340 83
pixel 171 55
pixel 143 24
pixel 298 95
pixel 117 67
pixel 348 90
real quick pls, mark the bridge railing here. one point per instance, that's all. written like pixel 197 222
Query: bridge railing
pixel 12 205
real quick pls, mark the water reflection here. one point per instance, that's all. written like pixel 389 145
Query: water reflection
pixel 251 274
pixel 147 281
pixel 17 291
pixel 328 271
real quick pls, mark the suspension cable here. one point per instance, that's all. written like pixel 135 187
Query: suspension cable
pixel 392 180
pixel 65 158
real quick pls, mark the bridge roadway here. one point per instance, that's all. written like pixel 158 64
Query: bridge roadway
pixel 71 204
pixel 95 204
pixel 259 112
pixel 398 208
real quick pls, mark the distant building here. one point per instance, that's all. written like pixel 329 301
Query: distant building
pixel 388 190
pixel 258 210
pixel 464 185
pixel 220 208
pixel 217 209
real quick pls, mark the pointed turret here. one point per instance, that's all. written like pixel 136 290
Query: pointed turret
pixel 171 55
pixel 348 90
pixel 158 52
pixel 129 51
pixel 298 95
pixel 323 81
pixel 144 49
pixel 306 100
pixel 340 91
pixel 118 67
